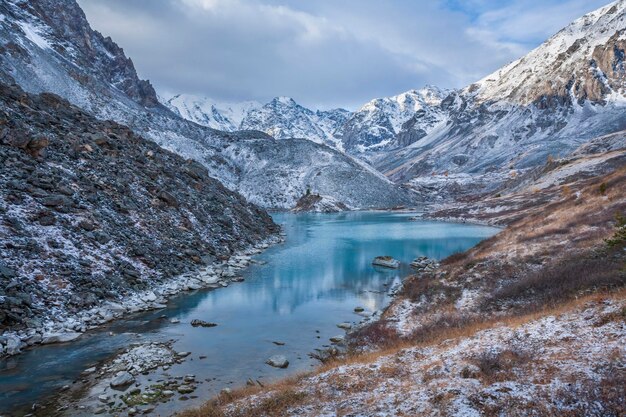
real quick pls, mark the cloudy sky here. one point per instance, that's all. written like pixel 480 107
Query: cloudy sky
pixel 324 53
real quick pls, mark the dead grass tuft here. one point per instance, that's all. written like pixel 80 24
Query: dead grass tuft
pixel 500 366
pixel 378 333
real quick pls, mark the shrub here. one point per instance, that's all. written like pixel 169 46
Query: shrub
pixel 566 190
pixel 561 281
pixel 444 326
pixel 377 334
pixel 603 188
pixel 429 287
pixel 619 238
pixel 497 366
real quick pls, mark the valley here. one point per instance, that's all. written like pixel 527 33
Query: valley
pixel 175 254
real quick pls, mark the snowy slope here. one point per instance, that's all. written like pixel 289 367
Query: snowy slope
pixel 211 113
pixel 375 125
pixel 562 94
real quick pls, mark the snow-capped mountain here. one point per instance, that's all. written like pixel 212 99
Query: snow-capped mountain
pixel 48 46
pixel 562 94
pixel 281 118
pixel 211 113
pixel 375 126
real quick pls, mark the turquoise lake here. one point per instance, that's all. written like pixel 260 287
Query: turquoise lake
pixel 301 291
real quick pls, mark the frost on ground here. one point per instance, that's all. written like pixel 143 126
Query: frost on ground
pixel 569 361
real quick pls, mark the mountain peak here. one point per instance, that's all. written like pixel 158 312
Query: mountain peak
pixel 580 63
pixel 284 100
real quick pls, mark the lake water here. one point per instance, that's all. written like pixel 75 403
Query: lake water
pixel 308 284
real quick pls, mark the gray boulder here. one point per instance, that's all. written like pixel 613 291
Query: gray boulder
pixel 278 361
pixel 121 380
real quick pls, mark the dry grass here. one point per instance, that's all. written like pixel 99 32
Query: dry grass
pixel 282 397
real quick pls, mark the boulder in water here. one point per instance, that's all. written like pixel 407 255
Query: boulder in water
pixel 202 323
pixel 386 261
pixel 278 361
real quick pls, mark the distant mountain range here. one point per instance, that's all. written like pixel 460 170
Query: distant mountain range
pixel 564 93
pixel 375 126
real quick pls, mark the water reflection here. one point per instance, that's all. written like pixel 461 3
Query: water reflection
pixel 308 285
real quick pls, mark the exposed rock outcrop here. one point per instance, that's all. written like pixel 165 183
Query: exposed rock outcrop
pixel 319 204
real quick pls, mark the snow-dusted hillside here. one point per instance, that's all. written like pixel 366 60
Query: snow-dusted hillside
pixel 375 125
pixel 562 94
pixel 48 46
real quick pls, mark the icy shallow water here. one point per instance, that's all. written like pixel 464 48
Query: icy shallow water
pixel 308 285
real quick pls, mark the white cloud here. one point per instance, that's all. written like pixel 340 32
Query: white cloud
pixel 323 52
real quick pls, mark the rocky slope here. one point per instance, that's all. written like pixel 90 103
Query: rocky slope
pixel 47 46
pixel 276 176
pixel 562 94
pixel 91 212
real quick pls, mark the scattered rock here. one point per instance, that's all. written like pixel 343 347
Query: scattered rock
pixel 59 337
pixel 425 264
pixel 185 389
pixel 122 379
pixel 278 361
pixel 202 323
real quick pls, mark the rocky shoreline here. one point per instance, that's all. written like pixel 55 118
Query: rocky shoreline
pixel 65 327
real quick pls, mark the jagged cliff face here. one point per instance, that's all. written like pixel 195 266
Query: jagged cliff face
pixel 48 46
pixel 61 26
pixel 583 62
pixel 564 93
